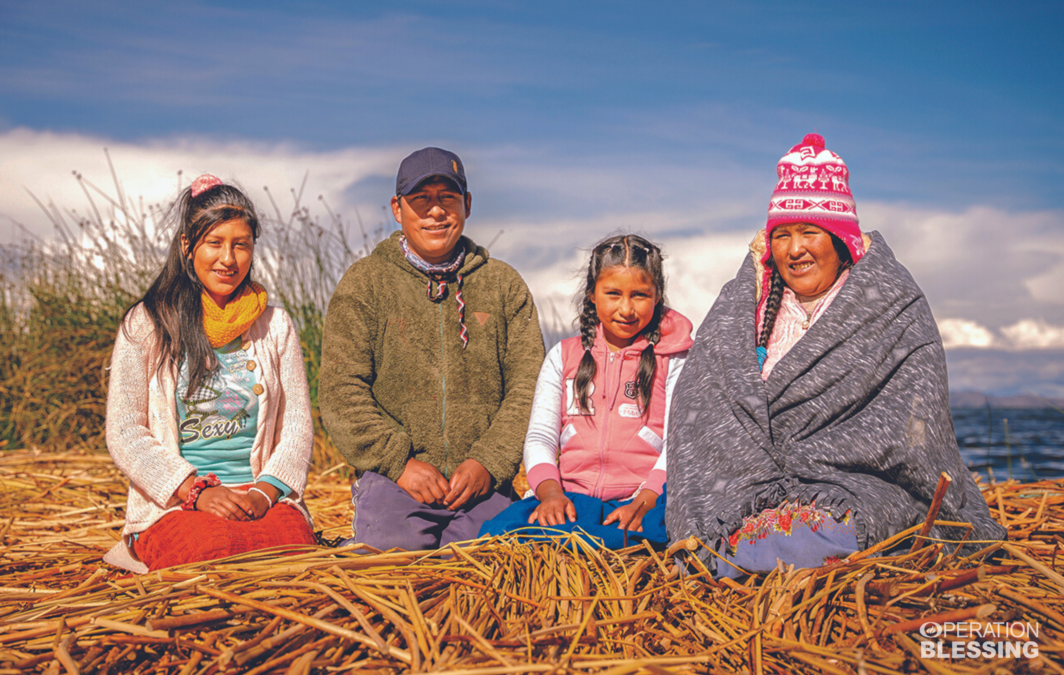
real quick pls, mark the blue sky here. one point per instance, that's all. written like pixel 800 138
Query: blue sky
pixel 576 119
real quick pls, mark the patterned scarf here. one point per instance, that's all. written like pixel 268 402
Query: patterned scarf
pixel 442 274
pixel 224 325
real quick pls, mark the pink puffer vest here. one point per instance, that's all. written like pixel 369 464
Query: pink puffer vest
pixel 610 450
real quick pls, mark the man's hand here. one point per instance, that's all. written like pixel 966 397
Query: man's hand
pixel 224 503
pixel 554 507
pixel 470 480
pixel 630 516
pixel 424 482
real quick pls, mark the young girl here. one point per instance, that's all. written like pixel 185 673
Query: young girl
pixel 208 411
pixel 602 399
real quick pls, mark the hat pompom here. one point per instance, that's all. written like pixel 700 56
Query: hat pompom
pixel 813 139
pixel 813 187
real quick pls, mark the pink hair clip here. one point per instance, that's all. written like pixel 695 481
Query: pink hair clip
pixel 204 183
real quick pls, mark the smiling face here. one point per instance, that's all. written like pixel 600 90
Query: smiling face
pixel 222 259
pixel 625 299
pixel 433 217
pixel 806 259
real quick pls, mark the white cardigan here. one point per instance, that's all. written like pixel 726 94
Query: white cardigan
pixel 142 434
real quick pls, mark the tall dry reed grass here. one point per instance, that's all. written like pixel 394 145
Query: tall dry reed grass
pixel 62 300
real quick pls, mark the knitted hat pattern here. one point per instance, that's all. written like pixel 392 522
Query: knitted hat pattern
pixel 814 187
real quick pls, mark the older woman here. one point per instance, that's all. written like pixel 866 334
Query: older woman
pixel 812 417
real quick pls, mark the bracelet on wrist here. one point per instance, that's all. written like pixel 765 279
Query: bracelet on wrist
pixel 201 484
pixel 268 500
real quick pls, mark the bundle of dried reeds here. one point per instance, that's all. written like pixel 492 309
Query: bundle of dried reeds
pixel 494 606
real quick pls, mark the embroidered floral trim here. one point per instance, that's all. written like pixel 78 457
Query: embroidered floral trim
pixel 784 519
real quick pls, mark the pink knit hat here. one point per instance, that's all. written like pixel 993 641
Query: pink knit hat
pixel 814 187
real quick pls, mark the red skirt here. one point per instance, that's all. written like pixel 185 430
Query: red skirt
pixel 193 536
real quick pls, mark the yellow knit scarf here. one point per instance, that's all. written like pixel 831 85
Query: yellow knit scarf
pixel 224 325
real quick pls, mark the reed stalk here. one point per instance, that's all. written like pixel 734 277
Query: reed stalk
pixel 491 605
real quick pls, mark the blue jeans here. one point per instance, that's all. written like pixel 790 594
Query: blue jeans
pixel 590 512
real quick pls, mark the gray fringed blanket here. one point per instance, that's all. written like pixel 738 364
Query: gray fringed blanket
pixel 855 416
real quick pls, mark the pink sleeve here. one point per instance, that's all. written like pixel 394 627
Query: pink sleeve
pixel 655 481
pixel 543 472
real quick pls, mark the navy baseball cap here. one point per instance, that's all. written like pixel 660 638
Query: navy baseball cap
pixel 426 163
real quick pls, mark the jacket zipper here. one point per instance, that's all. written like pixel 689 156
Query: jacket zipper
pixel 443 416
pixel 606 408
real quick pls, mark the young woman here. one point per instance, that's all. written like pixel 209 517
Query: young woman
pixel 208 411
pixel 812 418
pixel 595 448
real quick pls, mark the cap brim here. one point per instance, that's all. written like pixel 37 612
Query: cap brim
pixel 421 179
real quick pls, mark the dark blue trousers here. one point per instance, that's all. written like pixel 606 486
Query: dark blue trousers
pixel 590 513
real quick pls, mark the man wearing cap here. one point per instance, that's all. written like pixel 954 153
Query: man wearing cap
pixel 429 362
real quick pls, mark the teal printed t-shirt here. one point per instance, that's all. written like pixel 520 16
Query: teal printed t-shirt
pixel 217 423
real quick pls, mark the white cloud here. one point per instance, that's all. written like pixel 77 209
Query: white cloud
pixel 964 333
pixel 1049 287
pixel 42 163
pixel 983 264
pixel 699 266
pixel 994 276
pixel 696 268
pixel 1029 334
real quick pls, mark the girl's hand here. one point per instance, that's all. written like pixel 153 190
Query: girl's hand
pixel 554 507
pixel 259 503
pixel 224 503
pixel 181 494
pixel 630 516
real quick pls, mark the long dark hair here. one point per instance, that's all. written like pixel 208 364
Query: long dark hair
pixel 776 285
pixel 174 300
pixel 627 250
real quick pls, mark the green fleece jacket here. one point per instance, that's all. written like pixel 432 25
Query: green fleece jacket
pixel 396 383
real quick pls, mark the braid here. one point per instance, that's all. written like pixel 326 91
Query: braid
pixel 775 293
pixel 629 251
pixel 585 373
pixel 772 308
pixel 647 363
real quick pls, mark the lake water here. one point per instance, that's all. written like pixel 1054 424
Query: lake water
pixel 1030 440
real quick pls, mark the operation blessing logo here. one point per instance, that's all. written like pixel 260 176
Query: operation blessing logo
pixel 974 639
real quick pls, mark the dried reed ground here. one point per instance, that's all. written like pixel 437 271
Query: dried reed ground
pixel 493 606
